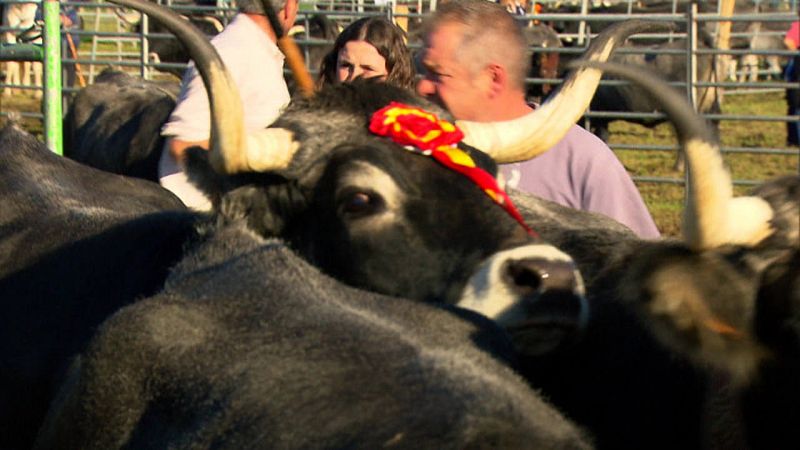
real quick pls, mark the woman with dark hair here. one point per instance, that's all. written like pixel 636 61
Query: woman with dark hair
pixel 371 47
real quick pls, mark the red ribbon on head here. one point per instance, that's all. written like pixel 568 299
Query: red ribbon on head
pixel 422 132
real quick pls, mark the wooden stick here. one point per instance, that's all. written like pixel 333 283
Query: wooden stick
pixel 74 53
pixel 289 48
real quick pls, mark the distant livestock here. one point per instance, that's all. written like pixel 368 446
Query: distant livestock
pixel 668 59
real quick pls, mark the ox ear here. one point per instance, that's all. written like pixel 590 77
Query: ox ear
pixel 267 202
pixel 203 175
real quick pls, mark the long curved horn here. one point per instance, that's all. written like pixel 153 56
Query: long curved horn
pixel 712 216
pixel 230 150
pixel 531 135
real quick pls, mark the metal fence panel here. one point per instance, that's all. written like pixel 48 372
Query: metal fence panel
pixel 112 36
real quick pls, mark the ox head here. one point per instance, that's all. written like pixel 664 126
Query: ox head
pixel 712 295
pixel 363 208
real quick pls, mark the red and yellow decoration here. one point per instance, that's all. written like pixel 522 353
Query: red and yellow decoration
pixel 422 132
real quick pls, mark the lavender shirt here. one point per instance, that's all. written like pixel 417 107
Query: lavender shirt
pixel 581 172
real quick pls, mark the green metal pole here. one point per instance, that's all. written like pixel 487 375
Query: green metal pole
pixel 52 76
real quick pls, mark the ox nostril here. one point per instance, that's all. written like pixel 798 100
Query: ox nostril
pixel 552 310
pixel 536 275
pixel 526 278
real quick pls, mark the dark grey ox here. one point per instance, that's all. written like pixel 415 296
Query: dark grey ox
pixel 689 344
pixel 269 352
pixel 114 124
pixel 547 329
pixel 356 205
pixel 248 346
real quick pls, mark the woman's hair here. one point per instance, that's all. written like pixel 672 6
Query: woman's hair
pixel 387 38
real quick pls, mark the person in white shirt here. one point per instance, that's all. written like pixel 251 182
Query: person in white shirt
pixel 248 48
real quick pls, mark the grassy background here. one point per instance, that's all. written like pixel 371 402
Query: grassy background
pixel 663 199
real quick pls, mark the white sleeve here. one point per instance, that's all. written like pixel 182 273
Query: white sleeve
pixel 191 118
pixel 256 66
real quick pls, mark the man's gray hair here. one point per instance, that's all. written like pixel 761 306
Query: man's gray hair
pixel 490 34
pixel 254 6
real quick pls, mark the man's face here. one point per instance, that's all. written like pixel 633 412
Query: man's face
pixel 446 81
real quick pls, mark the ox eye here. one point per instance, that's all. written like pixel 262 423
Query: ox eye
pixel 358 203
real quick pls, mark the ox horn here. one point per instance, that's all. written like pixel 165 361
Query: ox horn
pixel 533 134
pixel 712 216
pixel 230 150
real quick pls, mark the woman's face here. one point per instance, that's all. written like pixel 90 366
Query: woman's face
pixel 360 59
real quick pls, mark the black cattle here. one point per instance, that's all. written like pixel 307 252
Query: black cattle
pixel 689 345
pixel 324 184
pixel 77 244
pixel 665 59
pixel 544 43
pixel 356 205
pixel 629 98
pixel 571 28
pixel 115 123
pixel 250 347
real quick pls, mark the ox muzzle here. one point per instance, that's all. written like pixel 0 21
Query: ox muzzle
pixel 534 291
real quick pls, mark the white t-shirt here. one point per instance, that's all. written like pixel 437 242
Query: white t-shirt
pixel 256 65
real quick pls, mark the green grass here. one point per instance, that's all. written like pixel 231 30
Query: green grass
pixel 665 200
pixel 24 102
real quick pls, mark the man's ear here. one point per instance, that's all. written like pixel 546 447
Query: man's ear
pixel 496 79
pixel 288 14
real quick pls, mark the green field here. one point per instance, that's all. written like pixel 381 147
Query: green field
pixel 663 199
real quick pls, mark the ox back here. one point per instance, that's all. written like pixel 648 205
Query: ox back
pixel 75 245
pixel 250 347
pixel 114 124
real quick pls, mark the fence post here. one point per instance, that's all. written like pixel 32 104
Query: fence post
pixel 582 25
pixel 691 84
pixel 52 76
pixel 691 61
pixel 144 47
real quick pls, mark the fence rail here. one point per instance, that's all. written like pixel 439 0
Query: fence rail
pixel 108 39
